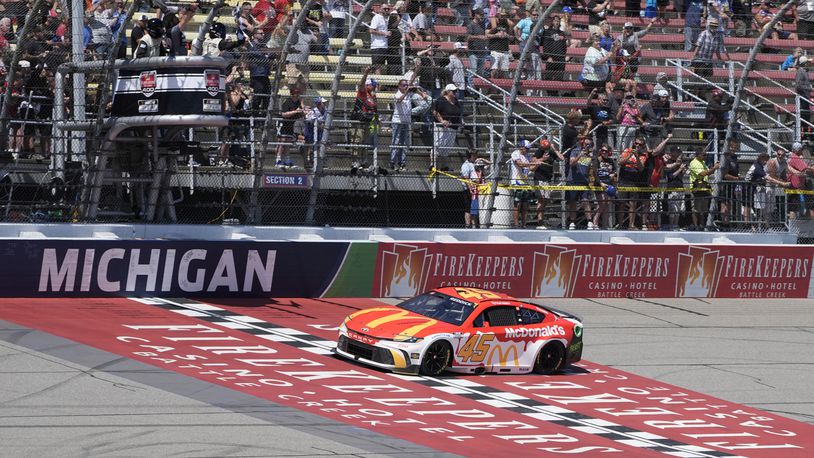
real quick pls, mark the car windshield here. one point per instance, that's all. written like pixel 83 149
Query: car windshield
pixel 440 307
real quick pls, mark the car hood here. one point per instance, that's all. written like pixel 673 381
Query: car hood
pixel 394 323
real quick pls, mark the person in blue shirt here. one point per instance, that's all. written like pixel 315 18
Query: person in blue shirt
pixel 791 61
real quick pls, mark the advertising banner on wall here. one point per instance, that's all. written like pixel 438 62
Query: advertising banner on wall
pixel 597 270
pixel 185 268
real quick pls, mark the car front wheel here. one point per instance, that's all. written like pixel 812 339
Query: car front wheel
pixel 436 358
pixel 550 359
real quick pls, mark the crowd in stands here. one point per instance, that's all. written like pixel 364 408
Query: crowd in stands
pixel 420 76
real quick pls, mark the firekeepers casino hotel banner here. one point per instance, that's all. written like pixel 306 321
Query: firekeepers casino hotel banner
pixel 371 269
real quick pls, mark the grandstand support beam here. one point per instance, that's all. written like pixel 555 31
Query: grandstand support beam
pixel 747 67
pixel 319 157
pixel 507 117
pixel 197 45
pixel 255 212
pixel 32 16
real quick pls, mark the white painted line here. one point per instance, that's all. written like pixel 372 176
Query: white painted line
pixel 275 338
pixel 318 350
pixel 510 396
pixel 190 313
pixel 496 403
pixel 232 325
pixel 646 435
pixel 248 319
pixel 600 422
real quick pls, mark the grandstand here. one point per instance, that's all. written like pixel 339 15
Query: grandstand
pixel 244 174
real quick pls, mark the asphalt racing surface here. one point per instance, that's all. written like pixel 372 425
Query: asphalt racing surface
pixel 250 377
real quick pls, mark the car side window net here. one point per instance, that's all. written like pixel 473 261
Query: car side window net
pixel 501 316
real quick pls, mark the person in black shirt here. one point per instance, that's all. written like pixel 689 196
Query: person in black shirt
pixel 139 29
pixel 500 33
pixel 730 174
pixel 554 44
pixel 292 109
pixel 476 40
pixel 448 113
pixel 542 164
pixel 601 106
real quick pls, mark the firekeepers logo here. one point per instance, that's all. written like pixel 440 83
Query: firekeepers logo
pixel 212 79
pixel 554 272
pixel 147 82
pixel 698 272
pixel 405 270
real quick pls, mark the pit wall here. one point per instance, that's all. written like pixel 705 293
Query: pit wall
pixel 90 268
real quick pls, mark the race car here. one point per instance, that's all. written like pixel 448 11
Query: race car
pixel 462 329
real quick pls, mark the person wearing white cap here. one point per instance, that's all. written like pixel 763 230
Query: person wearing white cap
pixel 448 113
pixel 802 85
pixel 657 116
pixel 629 41
pixel 661 83
pixel 314 124
pixel 456 68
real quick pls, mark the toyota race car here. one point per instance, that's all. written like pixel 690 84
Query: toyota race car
pixel 465 330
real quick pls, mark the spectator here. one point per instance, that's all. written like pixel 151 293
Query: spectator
pixel 138 31
pixel 532 66
pixel 601 107
pixel 597 10
pixel 422 113
pixel 394 43
pixel 366 113
pixel 263 12
pixel 542 165
pixel 674 169
pixel 633 8
pixel 630 120
pixel 338 10
pixel 632 173
pixel 456 68
pixel 400 125
pixel 175 26
pixel 717 113
pixel 100 23
pixel 421 22
pixel 297 69
pixel 728 192
pixel 605 170
pixel 710 41
pixel 317 21
pixel 314 125
pixel 448 113
pixel 764 15
pixel 237 130
pixel 754 198
pixel 499 39
pixel 605 36
pixel 777 179
pixel 657 117
pixel 718 11
pixel 581 163
pixel 570 133
pixel 791 61
pixel 292 109
pixel 379 44
pixel 654 170
pixel 247 24
pixel 476 179
pixel 802 86
pixel 555 44
pixel 119 22
pixel 701 189
pixel 519 169
pixel 629 41
pixel 405 22
pixel 661 83
pixel 805 20
pixel 467 169
pixel 259 57
pixel 476 39
pixel 799 172
pixel 595 68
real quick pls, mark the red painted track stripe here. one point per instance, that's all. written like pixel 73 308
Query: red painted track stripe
pixel 289 376
pixel 605 394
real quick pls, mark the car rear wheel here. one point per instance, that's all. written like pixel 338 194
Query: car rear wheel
pixel 550 359
pixel 436 358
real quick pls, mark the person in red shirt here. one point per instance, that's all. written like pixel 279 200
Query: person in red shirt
pixel 655 167
pixel 799 173
pixel 263 9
